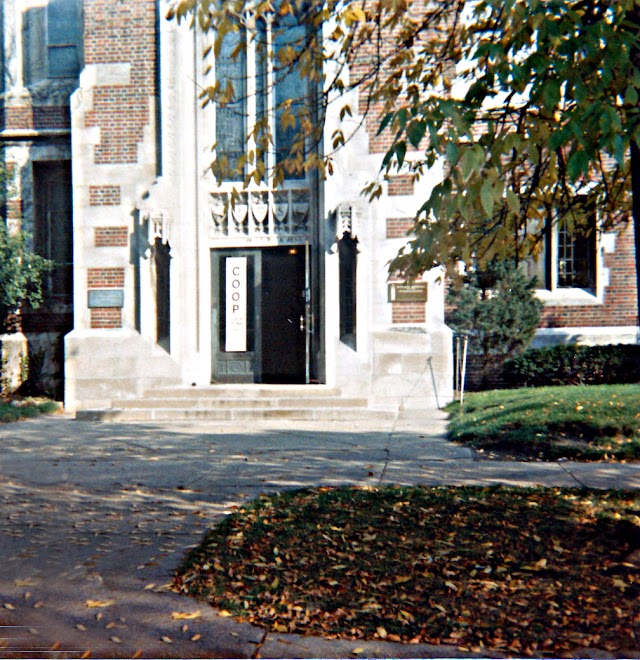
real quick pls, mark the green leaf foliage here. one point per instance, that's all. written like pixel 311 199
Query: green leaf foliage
pixel 21 273
pixel 524 102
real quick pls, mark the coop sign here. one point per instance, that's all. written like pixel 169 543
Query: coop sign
pixel 236 305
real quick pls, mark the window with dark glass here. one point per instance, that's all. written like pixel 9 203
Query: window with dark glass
pixel 576 254
pixel 348 257
pixel 51 39
pixel 259 87
pixel 63 38
pixel 53 226
pixel 566 256
pixel 231 115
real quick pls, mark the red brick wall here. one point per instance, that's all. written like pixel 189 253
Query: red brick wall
pixel 35 118
pixel 104 195
pixel 400 185
pixel 399 227
pixel 111 237
pixel 14 209
pixel 106 317
pixel 105 278
pixel 619 307
pixel 121 32
pixel 408 312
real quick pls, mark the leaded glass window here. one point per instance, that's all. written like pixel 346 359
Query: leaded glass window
pixel 258 88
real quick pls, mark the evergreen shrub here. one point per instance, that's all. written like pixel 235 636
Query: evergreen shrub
pixel 574 365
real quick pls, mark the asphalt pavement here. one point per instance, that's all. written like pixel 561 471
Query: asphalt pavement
pixel 95 517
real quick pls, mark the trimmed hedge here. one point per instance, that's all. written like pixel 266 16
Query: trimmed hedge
pixel 574 365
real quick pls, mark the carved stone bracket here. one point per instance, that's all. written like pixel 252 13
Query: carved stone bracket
pixel 347 220
pixel 259 216
pixel 156 224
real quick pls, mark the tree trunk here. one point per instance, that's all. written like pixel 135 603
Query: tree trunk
pixel 635 191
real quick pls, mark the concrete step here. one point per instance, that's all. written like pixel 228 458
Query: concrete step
pixel 215 403
pixel 239 403
pixel 138 414
pixel 237 391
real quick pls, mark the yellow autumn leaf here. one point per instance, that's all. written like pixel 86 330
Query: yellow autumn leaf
pixel 357 651
pixel 196 637
pixel 224 613
pixel 185 615
pixel 99 603
pixel 87 654
pixel 382 633
pixel 166 640
pixel 28 582
pixel 9 606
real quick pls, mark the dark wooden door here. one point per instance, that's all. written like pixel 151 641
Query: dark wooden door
pixel 283 315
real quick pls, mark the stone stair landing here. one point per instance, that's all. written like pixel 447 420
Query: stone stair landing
pixel 239 402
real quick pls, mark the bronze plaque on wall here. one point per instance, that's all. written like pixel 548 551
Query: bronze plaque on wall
pixel 403 292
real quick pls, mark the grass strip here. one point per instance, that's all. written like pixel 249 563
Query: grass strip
pixel 588 422
pixel 12 410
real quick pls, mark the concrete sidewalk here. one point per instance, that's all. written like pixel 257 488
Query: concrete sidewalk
pixel 96 516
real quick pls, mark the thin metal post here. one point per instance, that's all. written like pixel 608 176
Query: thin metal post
pixel 464 370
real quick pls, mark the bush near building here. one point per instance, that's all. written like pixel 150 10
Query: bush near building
pixel 574 365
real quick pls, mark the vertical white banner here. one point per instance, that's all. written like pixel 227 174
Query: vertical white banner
pixel 236 305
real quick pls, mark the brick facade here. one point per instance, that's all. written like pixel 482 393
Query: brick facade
pixel 408 312
pixel 619 307
pixel 399 227
pixel 124 33
pixel 104 195
pixel 106 318
pixel 35 118
pixel 110 237
pixel 105 278
pixel 400 185
pixel 14 209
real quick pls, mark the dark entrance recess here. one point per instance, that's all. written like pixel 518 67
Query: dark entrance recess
pixel 162 263
pixel 275 328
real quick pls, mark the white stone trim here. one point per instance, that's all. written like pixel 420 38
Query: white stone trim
pixel 586 336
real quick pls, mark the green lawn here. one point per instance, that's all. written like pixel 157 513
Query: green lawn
pixel 537 572
pixel 10 412
pixel 590 422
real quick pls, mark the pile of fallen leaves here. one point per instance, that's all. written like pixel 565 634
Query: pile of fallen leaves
pixel 523 571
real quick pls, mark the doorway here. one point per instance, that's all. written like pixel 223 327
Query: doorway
pixel 260 315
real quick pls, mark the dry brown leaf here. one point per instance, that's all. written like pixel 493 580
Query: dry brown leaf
pixel 86 654
pixel 179 616
pixel 99 603
pixel 28 582
pixel 79 626
pixel 115 639
pixel 382 633
pixel 38 605
pixel 9 606
pixel 196 637
pixel 166 640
